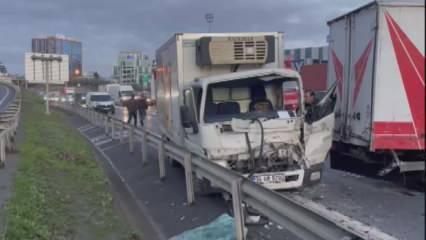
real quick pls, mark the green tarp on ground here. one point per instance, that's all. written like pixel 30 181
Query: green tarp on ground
pixel 222 228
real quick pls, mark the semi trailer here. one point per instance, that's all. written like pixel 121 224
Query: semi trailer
pixel 227 97
pixel 376 55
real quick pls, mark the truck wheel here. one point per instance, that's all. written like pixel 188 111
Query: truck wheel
pixel 336 160
pixel 203 187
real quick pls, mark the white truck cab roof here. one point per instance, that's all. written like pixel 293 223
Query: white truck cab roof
pixel 273 73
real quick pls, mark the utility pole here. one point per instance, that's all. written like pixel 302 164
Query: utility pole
pixel 46 64
pixel 209 19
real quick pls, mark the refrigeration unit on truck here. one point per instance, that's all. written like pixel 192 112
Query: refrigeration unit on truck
pixel 226 96
pixel 377 58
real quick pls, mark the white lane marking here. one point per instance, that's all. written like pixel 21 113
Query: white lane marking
pixel 84 126
pixel 104 142
pixel 120 134
pixel 5 95
pixel 98 138
pixel 113 146
pixel 87 128
pixel 157 227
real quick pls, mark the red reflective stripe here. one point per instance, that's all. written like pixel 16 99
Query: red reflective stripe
pixel 338 69
pixel 398 143
pixel 411 66
pixel 393 128
pixel 397 136
pixel 360 67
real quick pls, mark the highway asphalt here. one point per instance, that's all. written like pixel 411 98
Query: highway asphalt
pixel 7 173
pixel 6 95
pixel 391 208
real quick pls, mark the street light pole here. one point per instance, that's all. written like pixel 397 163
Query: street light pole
pixel 47 87
pixel 209 18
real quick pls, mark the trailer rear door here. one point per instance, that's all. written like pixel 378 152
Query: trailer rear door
pixel 338 40
pixel 399 93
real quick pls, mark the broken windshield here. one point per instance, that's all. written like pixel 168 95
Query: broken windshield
pixel 252 98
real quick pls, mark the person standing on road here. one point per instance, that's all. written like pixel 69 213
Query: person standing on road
pixel 142 106
pixel 132 108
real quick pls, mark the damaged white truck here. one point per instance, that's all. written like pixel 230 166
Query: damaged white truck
pixel 227 97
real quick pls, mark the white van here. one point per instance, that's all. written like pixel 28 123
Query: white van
pixel 100 101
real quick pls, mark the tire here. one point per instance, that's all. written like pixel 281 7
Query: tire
pixel 203 187
pixel 336 160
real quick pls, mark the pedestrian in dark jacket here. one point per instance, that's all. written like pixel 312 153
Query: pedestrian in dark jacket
pixel 311 111
pixel 132 108
pixel 142 106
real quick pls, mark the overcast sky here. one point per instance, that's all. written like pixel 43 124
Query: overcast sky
pixel 106 27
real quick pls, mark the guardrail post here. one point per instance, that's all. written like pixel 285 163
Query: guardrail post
pixel 144 146
pixel 92 117
pixel 2 153
pixel 8 142
pixel 187 163
pixel 95 118
pixel 131 131
pixel 106 124
pixel 87 114
pixel 112 128
pixel 161 160
pixel 121 133
pixel 238 209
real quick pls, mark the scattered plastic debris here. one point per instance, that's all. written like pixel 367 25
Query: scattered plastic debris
pixel 252 219
pixel 222 228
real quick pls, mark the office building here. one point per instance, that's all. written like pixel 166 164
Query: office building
pixel 62 45
pixel 311 63
pixel 40 67
pixel 296 58
pixel 3 70
pixel 133 68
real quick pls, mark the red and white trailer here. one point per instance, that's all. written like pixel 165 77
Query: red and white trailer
pixel 376 55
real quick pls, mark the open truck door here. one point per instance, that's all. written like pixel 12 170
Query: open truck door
pixel 190 114
pixel 318 132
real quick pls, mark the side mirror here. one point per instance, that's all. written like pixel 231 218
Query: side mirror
pixel 187 119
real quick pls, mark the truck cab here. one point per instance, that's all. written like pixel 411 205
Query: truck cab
pixel 227 97
pixel 243 121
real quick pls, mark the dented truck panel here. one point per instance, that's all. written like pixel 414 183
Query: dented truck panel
pixel 240 115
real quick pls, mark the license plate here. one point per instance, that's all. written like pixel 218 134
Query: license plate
pixel 268 179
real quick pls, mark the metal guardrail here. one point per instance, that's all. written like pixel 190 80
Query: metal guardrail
pixel 9 119
pixel 304 218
